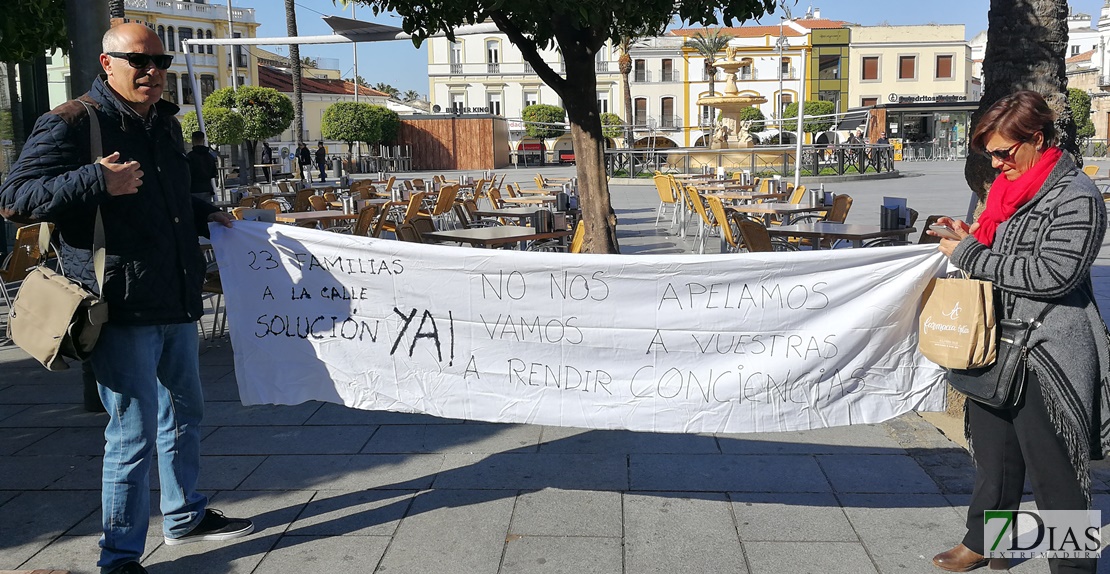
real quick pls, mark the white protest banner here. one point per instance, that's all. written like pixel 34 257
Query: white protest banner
pixel 670 343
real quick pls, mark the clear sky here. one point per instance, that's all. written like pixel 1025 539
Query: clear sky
pixel 405 67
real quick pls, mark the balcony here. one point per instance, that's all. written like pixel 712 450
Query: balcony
pixel 456 68
pixel 190 9
pixel 791 74
pixel 670 123
pixel 528 69
pixel 240 61
pixel 493 68
pixel 706 123
pixel 641 76
pixel 601 67
pixel 747 75
pixel 669 76
pixel 665 122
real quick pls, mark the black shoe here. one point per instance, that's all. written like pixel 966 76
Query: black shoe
pixel 214 526
pixel 128 568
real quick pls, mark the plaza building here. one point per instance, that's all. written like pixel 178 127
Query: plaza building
pixel 486 74
pixel 174 21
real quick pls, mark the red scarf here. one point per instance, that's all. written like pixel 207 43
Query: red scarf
pixel 1006 197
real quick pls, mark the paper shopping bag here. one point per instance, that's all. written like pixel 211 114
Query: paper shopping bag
pixel 957 326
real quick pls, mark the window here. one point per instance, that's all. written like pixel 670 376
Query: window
pixel 162 37
pixel 208 36
pixel 666 109
pixel 746 70
pixel 639 71
pixel 185 34
pixel 869 102
pixel 458 102
pixel 1075 50
pixel 907 67
pixel 705 113
pixel 240 56
pixel 603 102
pixel 870 68
pixel 531 98
pixel 494 103
pixel 170 92
pixel 171 43
pixel 493 56
pixel 784 68
pixel 668 72
pixel 828 67
pixel 207 86
pixel 785 99
pixel 639 116
pixel 601 61
pixel 186 89
pixel 456 57
pixel 944 68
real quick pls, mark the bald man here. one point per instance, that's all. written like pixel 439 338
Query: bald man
pixel 145 360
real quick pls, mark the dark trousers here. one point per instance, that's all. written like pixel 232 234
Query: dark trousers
pixel 323 165
pixel 1008 444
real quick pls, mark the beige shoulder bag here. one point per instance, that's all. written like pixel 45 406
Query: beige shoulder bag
pixel 52 316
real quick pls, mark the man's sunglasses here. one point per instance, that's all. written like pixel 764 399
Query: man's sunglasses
pixel 1003 155
pixel 141 61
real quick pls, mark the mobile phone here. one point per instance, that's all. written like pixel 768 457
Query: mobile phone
pixel 943 231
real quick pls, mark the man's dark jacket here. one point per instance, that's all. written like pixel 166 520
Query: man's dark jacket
pixel 154 266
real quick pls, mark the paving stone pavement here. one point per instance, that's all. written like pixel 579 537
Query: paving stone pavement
pixel 334 489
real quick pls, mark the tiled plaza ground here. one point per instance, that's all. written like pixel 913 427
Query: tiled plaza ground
pixel 337 490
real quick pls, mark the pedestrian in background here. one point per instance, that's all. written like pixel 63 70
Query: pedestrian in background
pixel 321 159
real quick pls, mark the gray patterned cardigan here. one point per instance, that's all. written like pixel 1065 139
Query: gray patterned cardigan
pixel 1043 255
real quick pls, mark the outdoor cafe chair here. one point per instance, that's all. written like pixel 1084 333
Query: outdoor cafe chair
pixel 838 213
pixel 301 202
pixel 406 232
pixel 22 258
pixel 318 203
pixel 717 208
pixel 440 212
pixel 707 223
pixel 248 201
pixel 798 195
pixel 330 196
pixel 667 198
pixel 272 204
pixel 395 219
pixel 467 218
pixel 1090 170
pixel 755 236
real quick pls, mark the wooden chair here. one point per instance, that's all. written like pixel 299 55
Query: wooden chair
pixel 23 257
pixel 248 202
pixel 667 197
pixel 705 229
pixel 467 218
pixel 755 236
pixel 301 202
pixel 365 221
pixel 271 204
pixel 237 212
pixel 406 232
pixel 422 224
pixel 330 197
pixel 418 184
pixel 1090 170
pixel 798 195
pixel 318 203
pixel 717 208
pixel 393 221
pixel 578 239
pixel 440 213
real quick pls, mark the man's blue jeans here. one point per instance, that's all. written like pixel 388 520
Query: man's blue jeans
pixel 149 380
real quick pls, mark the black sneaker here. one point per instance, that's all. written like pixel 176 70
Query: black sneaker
pixel 128 568
pixel 214 526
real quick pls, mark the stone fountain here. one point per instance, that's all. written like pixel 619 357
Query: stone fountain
pixel 730 132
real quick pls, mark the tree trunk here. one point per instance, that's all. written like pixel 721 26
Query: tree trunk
pixel 86 25
pixel 295 65
pixel 251 145
pixel 116 9
pixel 19 134
pixel 629 134
pixel 1026 41
pixel 580 101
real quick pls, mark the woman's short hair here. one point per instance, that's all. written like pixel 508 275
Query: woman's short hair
pixel 1016 117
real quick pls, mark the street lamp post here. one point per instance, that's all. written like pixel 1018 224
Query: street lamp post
pixel 781 45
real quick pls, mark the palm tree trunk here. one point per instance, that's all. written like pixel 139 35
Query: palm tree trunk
pixel 295 61
pixel 1026 41
pixel 628 133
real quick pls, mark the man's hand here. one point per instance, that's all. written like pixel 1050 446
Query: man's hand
pixel 122 178
pixel 222 218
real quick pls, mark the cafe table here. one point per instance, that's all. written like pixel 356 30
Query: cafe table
pixel 742 196
pixel 781 209
pixel 321 216
pixel 820 230
pixel 494 236
pixel 518 213
pixel 530 200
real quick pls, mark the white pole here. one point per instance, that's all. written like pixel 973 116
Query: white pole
pixel 801 113
pixel 196 87
pixel 778 103
pixel 354 49
pixel 231 50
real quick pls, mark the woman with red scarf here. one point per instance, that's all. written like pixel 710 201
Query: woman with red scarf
pixel 1036 241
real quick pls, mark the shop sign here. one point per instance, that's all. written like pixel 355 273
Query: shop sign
pixel 909 99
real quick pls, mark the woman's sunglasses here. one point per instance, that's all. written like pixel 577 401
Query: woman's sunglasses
pixel 1003 155
pixel 141 61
